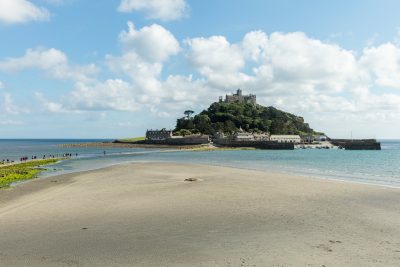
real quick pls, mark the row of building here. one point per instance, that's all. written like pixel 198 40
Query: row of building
pixel 164 134
pixel 246 136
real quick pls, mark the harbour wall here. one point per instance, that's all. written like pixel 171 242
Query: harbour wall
pixel 255 144
pixel 359 144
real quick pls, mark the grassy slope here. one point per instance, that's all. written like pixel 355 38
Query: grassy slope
pixel 134 139
pixel 22 171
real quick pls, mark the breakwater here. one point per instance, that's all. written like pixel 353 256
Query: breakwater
pixel 255 144
pixel 359 144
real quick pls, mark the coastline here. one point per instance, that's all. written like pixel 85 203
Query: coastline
pixel 146 214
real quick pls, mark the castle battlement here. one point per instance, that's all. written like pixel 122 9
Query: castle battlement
pixel 239 98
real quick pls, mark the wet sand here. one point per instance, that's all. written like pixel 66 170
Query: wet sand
pixel 147 215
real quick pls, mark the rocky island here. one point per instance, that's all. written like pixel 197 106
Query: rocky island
pixel 239 121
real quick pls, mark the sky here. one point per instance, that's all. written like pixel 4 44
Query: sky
pixel 114 68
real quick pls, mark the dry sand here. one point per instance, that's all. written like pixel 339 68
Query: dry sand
pixel 147 215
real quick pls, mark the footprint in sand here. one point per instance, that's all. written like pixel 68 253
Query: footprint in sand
pixel 325 247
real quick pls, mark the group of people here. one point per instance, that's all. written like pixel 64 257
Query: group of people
pixel 6 161
pixel 26 158
pixel 51 156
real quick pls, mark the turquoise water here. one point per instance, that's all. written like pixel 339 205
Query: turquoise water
pixel 14 149
pixel 372 167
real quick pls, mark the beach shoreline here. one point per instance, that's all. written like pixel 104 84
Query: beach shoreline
pixel 146 214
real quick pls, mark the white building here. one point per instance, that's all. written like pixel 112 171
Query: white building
pixel 286 138
pixel 243 136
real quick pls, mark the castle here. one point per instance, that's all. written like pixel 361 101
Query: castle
pixel 239 97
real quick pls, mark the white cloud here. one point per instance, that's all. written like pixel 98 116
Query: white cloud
pixel 218 60
pixel 53 61
pixel 20 11
pixel 8 106
pixel 291 71
pixel 40 58
pixel 215 54
pixel 301 74
pixel 145 51
pixel 383 63
pixel 296 58
pixel 143 74
pixel 110 95
pixel 164 10
pixel 51 106
pixel 253 45
pixel 152 43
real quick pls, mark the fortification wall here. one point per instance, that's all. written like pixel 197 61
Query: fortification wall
pixel 255 144
pixel 360 144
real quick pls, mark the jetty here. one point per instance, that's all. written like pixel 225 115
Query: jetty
pixel 274 145
pixel 357 144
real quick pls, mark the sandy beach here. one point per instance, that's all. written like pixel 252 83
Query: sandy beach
pixel 147 215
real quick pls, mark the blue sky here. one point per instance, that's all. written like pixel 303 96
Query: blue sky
pixel 110 69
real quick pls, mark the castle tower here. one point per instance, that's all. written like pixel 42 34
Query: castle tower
pixel 240 98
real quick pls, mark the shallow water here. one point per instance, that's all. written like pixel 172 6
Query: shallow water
pixel 372 167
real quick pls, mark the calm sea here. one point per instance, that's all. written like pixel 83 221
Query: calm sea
pixel 372 167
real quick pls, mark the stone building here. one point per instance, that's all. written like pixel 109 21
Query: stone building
pixel 313 138
pixel 307 139
pixel 239 98
pixel 261 136
pixel 286 138
pixel 243 136
pixel 162 134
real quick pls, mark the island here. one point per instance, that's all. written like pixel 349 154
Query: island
pixel 239 121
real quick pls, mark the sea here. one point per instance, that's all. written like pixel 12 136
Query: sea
pixel 367 166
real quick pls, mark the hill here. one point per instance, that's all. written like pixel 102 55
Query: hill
pixel 229 117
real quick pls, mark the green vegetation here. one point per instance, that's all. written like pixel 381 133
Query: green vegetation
pixel 229 117
pixel 22 171
pixel 130 140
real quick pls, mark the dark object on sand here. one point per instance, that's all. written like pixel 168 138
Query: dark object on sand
pixel 190 179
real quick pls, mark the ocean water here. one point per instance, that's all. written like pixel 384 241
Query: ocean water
pixel 371 167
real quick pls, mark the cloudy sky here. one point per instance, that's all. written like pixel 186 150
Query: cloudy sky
pixel 112 68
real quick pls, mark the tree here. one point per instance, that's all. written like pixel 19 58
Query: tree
pixel 229 117
pixel 184 123
pixel 183 132
pixel 188 113
pixel 203 124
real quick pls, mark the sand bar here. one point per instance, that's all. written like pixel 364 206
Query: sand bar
pixel 147 215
